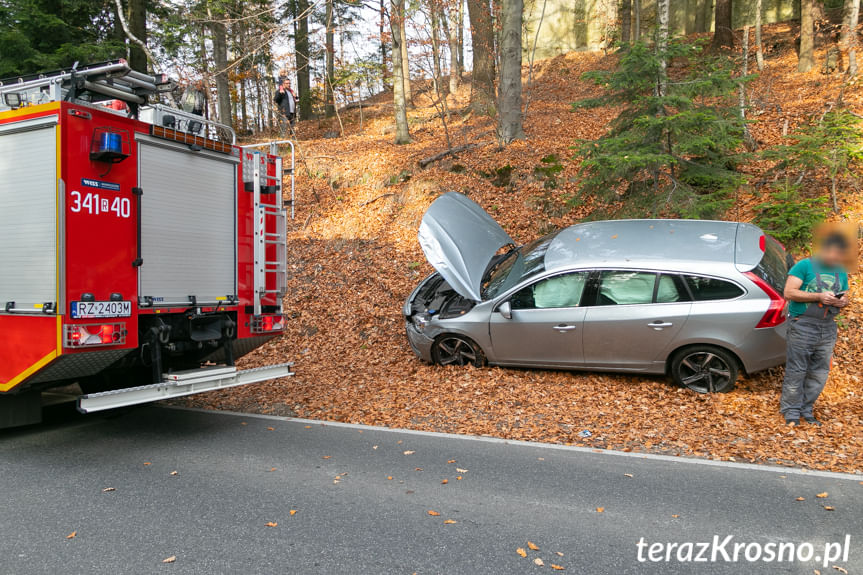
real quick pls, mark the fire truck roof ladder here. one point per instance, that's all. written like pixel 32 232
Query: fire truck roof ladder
pixel 182 383
pixel 113 80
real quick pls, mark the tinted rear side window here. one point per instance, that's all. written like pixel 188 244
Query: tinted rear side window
pixel 708 289
pixel 773 267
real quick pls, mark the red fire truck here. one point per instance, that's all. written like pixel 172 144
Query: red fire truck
pixel 141 250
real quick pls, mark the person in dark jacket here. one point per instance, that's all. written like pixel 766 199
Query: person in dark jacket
pixel 286 106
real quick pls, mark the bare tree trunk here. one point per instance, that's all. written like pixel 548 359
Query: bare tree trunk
pixel 460 38
pixel 531 59
pixel 806 58
pixel 301 48
pixel 329 48
pixel 850 11
pixel 482 36
pixel 138 27
pixel 261 115
pixel 384 68
pixel 244 112
pixel 723 33
pixel 242 68
pixel 220 59
pixel 636 26
pixel 662 7
pixel 449 19
pixel 399 96
pixel 850 19
pixel 405 67
pixel 135 40
pixel 205 71
pixel 700 16
pixel 626 21
pixel 759 48
pixel 510 126
pixel 434 17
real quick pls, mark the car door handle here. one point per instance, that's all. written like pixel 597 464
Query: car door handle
pixel 563 327
pixel 658 325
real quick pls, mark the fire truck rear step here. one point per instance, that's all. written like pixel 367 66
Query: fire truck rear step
pixel 182 383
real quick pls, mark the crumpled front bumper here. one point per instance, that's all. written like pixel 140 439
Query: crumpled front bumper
pixel 421 344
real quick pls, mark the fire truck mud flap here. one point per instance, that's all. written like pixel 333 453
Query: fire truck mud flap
pixel 182 383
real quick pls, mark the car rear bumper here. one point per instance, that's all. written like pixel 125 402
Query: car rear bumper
pixel 420 343
pixel 763 349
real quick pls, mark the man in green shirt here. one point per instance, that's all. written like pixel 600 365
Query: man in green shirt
pixel 816 290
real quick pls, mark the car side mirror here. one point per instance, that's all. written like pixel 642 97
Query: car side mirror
pixel 505 309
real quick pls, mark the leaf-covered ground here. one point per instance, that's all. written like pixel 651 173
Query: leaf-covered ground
pixel 354 258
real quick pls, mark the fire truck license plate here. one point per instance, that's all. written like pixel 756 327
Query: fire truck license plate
pixel 92 309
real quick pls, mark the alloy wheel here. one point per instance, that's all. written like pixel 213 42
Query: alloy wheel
pixel 704 372
pixel 454 350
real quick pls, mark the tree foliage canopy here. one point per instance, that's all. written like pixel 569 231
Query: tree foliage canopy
pixel 40 35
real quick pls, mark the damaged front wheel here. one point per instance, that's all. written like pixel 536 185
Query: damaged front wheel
pixel 457 350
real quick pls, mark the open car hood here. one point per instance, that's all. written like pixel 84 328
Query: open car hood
pixel 459 239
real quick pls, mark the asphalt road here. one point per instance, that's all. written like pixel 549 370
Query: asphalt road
pixel 362 499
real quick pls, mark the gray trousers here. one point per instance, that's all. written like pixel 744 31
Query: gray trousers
pixel 285 124
pixel 810 349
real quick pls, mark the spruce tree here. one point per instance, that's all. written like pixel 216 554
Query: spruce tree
pixel 831 146
pixel 670 151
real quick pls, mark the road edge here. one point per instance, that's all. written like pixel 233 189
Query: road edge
pixel 551 446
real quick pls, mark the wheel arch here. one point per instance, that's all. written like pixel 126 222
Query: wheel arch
pixel 458 333
pixel 670 358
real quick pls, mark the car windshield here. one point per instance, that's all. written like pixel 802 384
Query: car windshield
pixel 515 267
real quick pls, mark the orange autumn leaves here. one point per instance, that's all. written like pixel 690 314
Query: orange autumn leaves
pixel 538 561
pixel 352 265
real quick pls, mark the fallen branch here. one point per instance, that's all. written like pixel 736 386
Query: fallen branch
pixel 431 159
pixel 373 200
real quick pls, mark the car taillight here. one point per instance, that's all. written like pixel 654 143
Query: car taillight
pixel 775 313
pixel 92 335
pixel 268 323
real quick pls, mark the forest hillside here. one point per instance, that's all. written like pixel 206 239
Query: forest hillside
pixel 354 257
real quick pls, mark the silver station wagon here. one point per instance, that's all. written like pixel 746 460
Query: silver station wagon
pixel 697 300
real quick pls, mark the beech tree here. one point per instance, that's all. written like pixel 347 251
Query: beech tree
pixel 482 34
pixel 626 21
pixel 397 24
pixel 848 38
pixel 723 33
pixel 451 31
pixel 509 88
pixel 759 48
pixel 301 51
pixel 806 57
pixel 137 18
pixel 405 60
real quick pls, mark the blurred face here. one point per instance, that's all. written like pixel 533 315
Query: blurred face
pixel 287 84
pixel 832 255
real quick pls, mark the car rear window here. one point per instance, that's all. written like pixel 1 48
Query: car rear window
pixel 709 289
pixel 773 267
